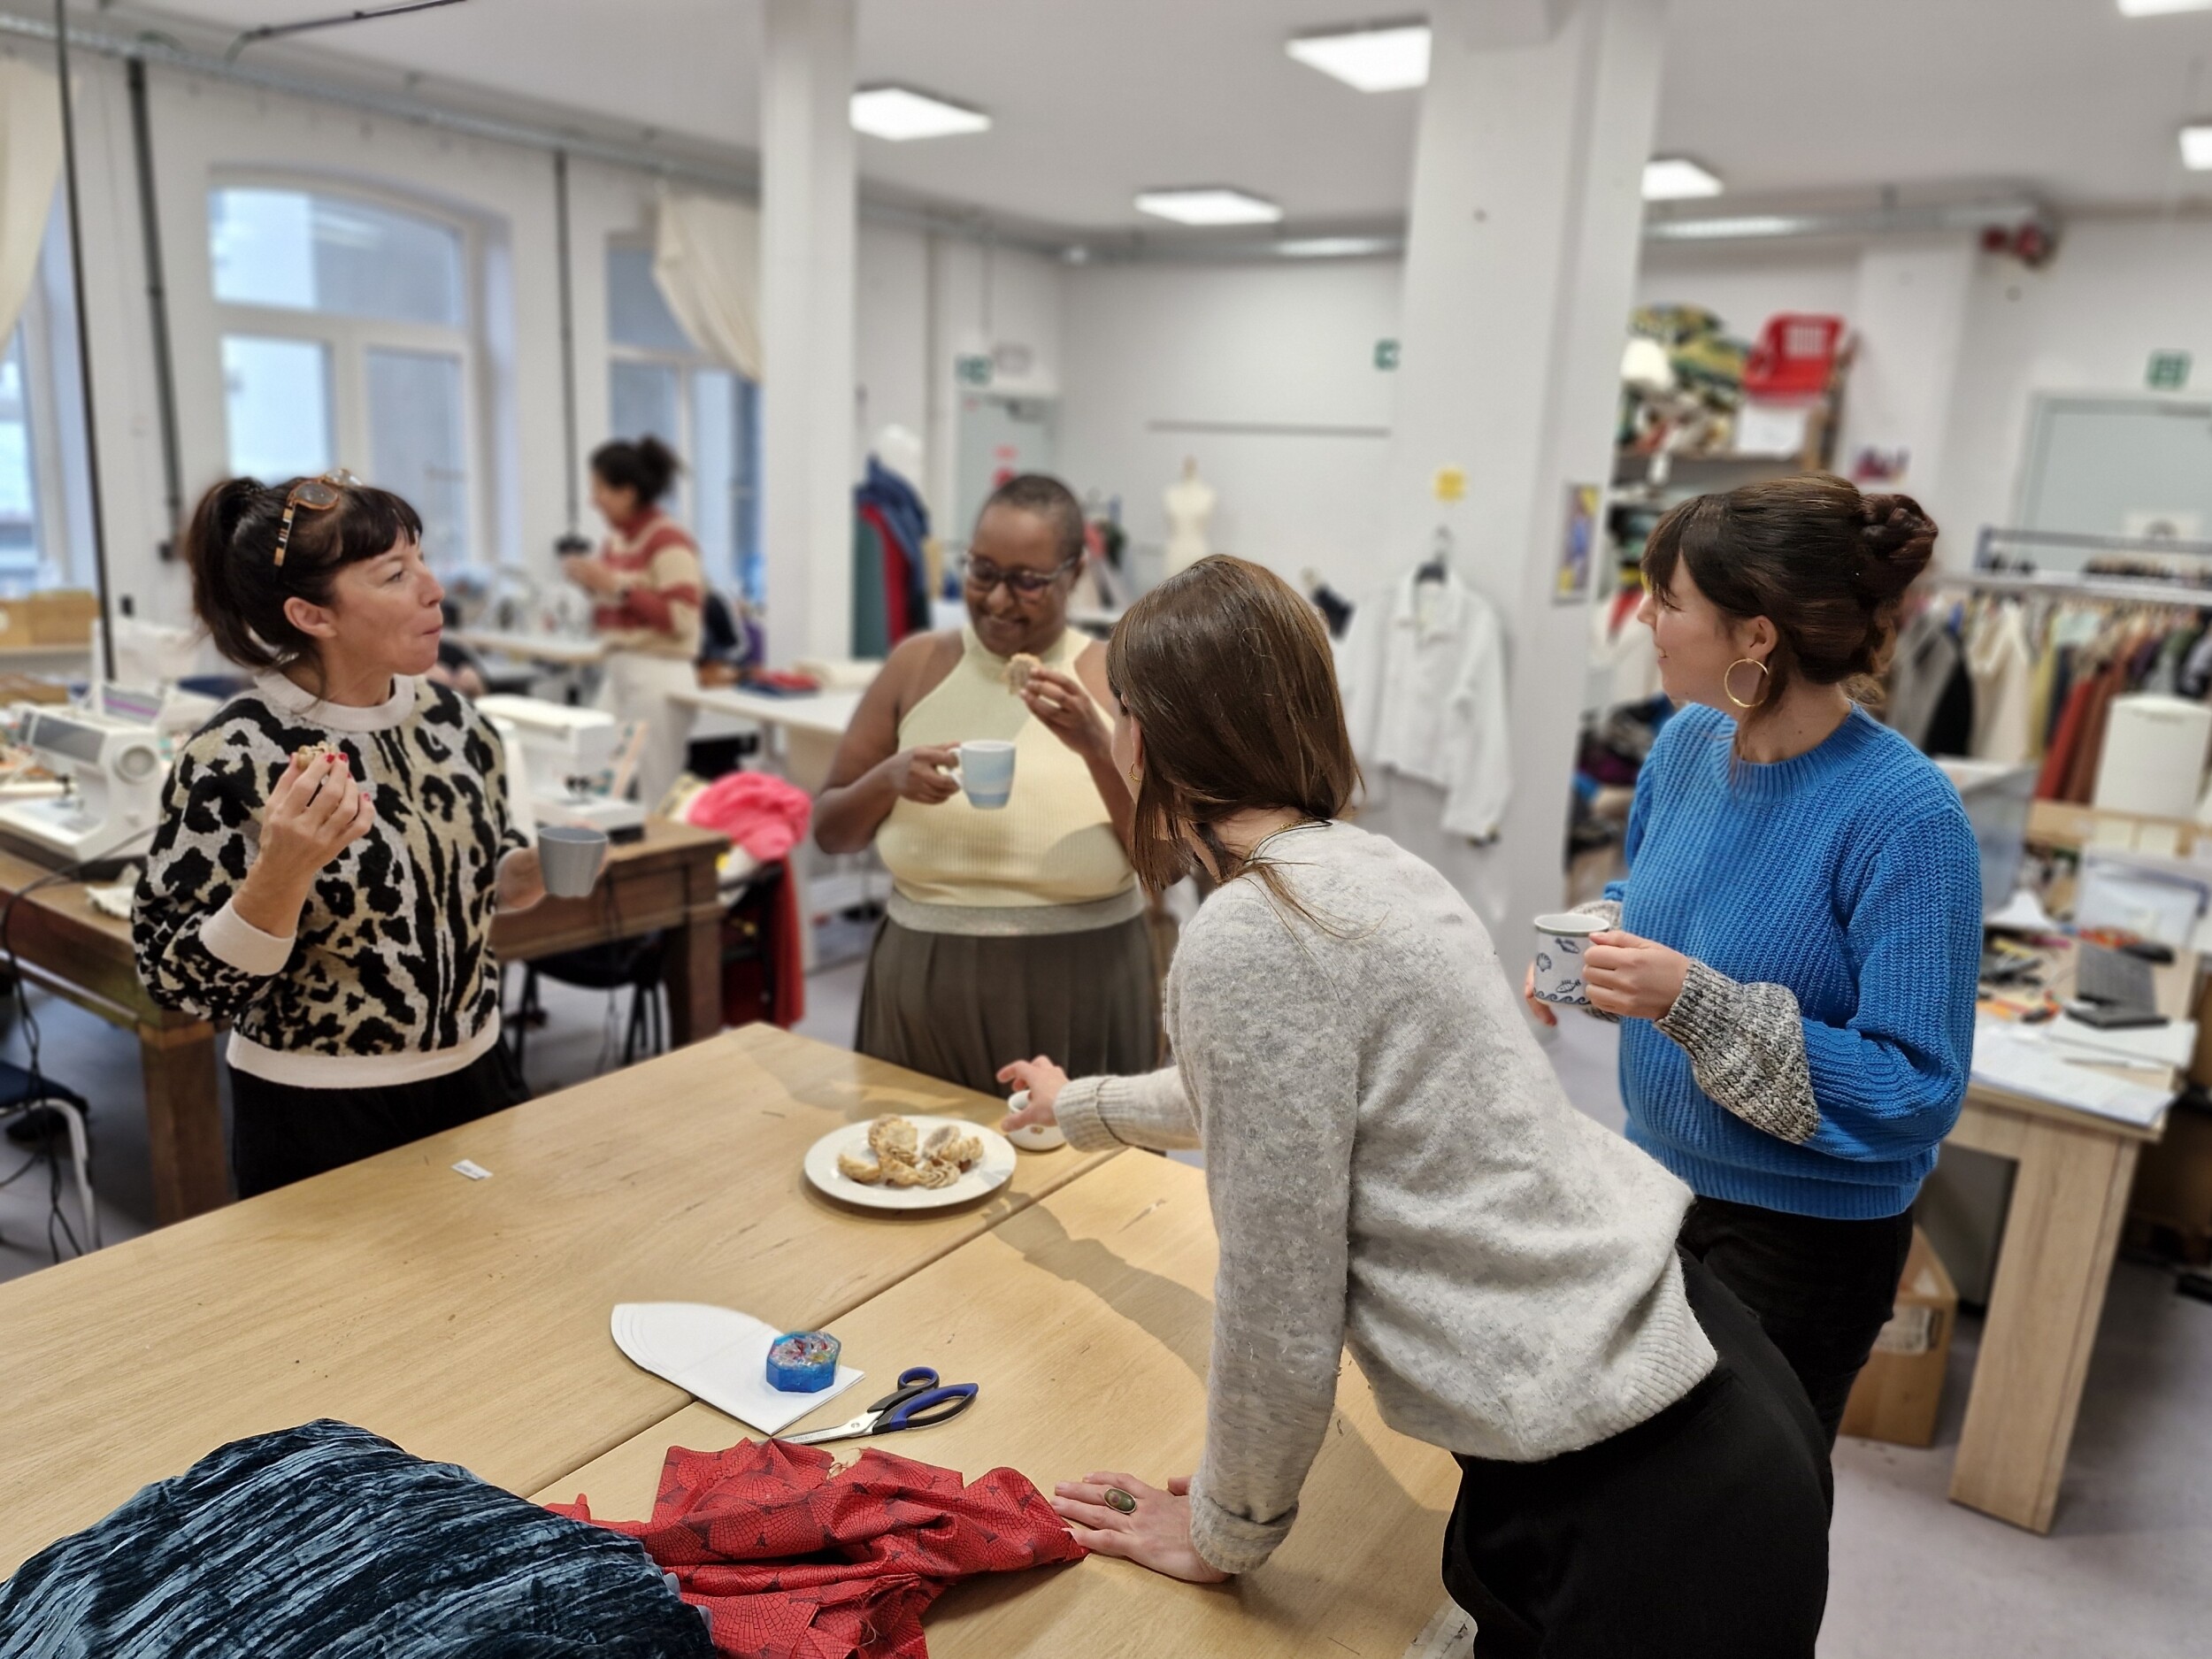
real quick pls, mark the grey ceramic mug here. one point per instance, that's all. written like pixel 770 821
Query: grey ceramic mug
pixel 571 856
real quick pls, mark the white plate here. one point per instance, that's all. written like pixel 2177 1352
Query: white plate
pixel 988 1175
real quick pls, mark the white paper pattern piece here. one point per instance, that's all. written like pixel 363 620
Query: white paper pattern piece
pixel 475 1171
pixel 2009 1059
pixel 720 1355
pixel 1450 1634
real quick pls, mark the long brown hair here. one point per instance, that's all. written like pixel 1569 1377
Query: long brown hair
pixel 1228 672
pixel 1825 564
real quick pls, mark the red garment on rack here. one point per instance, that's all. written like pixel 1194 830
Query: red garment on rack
pixel 898 621
pixel 789 1560
pixel 2050 784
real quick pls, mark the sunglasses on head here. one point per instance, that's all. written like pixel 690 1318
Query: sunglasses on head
pixel 982 575
pixel 317 495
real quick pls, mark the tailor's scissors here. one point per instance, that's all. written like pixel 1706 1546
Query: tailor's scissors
pixel 919 1403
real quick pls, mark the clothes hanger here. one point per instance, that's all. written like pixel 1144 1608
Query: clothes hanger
pixel 1437 566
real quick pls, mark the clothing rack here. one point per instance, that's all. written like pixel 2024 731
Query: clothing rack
pixel 2119 589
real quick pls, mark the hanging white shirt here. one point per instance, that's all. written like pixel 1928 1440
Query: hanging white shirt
pixel 1424 697
pixel 1999 659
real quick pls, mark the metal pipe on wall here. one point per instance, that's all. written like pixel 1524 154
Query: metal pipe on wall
pixel 157 305
pixel 106 665
pixel 568 336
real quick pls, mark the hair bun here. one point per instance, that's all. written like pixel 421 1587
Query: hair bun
pixel 233 499
pixel 1898 539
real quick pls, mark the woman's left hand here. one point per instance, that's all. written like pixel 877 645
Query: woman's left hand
pixel 1632 977
pixel 1067 712
pixel 1155 1534
pixel 589 574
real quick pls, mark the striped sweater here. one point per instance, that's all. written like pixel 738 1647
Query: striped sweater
pixel 657 611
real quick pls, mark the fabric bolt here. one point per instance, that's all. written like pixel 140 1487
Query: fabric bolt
pixel 326 1542
pixel 1423 679
pixel 959 1006
pixel 390 976
pixel 1701 1532
pixel 1856 888
pixel 790 1559
pixel 280 1133
pixel 1391 1167
pixel 1822 1290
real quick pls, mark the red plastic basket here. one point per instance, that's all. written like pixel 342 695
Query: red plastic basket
pixel 1795 355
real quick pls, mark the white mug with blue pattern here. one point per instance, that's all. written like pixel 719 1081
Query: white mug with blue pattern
pixel 1560 943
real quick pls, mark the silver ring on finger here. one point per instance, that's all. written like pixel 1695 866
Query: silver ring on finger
pixel 1124 1501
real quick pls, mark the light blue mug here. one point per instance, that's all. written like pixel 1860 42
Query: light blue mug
pixel 986 772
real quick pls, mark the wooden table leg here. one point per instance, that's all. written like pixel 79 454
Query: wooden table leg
pixel 184 1120
pixel 2053 1268
pixel 694 980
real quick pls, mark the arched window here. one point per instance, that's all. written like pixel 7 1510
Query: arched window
pixel 349 339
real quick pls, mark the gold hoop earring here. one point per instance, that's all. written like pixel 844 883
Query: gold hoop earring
pixel 1765 679
pixel 1136 776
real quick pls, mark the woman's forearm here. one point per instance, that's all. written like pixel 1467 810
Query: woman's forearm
pixel 847 816
pixel 271 901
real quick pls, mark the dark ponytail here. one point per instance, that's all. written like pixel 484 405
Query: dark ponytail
pixel 239 589
pixel 648 466
pixel 1827 565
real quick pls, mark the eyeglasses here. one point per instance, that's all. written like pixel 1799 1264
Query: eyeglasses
pixel 982 576
pixel 317 495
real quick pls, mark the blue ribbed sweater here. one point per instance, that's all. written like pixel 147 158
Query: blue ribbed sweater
pixel 1850 875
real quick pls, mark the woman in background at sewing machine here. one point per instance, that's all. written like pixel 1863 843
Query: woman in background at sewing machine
pixel 647 580
pixel 334 845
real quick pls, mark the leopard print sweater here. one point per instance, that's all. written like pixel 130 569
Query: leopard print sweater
pixel 389 977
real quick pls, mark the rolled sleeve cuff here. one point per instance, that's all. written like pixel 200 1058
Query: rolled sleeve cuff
pixel 1607 911
pixel 1230 1543
pixel 236 942
pixel 1082 1114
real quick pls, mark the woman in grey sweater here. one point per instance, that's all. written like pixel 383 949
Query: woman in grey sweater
pixel 1391 1166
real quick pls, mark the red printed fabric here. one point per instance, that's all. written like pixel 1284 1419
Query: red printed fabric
pixel 791 1560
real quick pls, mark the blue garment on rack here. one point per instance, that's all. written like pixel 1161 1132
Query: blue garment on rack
pixel 907 520
pixel 326 1542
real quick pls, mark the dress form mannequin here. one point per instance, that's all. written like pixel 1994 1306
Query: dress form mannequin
pixel 901 451
pixel 1190 504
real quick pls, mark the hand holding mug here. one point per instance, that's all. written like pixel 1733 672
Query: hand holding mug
pixel 1042 1080
pixel 924 773
pixel 1636 979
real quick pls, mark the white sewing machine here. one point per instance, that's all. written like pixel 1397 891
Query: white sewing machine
pixel 572 765
pixel 112 771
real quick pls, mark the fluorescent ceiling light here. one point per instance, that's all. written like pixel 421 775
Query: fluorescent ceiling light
pixel 1209 204
pixel 2196 148
pixel 2160 8
pixel 1378 58
pixel 1677 179
pixel 899 113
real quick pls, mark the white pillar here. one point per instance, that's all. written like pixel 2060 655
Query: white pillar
pixel 808 204
pixel 1910 317
pixel 1520 267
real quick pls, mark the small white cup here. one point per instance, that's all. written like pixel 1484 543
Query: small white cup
pixel 986 772
pixel 1560 943
pixel 1036 1137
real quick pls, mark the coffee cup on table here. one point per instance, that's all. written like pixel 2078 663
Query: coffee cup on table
pixel 571 856
pixel 1561 942
pixel 986 772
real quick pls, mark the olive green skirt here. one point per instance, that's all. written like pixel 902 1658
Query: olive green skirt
pixel 958 1006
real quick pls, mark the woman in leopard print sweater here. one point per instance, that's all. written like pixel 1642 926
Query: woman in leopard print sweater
pixel 335 842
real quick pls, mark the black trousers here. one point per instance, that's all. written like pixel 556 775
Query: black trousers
pixel 280 1134
pixel 1822 1290
pixel 1701 1532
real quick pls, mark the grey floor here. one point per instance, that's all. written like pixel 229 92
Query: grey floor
pixel 2127 1573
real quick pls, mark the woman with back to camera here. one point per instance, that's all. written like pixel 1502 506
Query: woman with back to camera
pixel 1020 927
pixel 1392 1166
pixel 1798 937
pixel 651 589
pixel 334 843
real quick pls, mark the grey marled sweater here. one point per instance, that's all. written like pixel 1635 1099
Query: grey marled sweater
pixel 1392 1166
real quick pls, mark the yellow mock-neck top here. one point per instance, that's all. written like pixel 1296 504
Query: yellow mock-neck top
pixel 1052 844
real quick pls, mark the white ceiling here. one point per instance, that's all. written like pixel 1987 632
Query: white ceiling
pixel 1093 100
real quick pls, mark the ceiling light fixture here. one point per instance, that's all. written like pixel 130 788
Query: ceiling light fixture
pixel 2160 8
pixel 1677 179
pixel 1374 58
pixel 1209 204
pixel 2196 147
pixel 899 114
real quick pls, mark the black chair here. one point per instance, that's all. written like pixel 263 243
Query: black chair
pixel 38 1105
pixel 641 964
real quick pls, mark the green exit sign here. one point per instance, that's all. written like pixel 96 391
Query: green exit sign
pixel 1386 354
pixel 973 371
pixel 2169 371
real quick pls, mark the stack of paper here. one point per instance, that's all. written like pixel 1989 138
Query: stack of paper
pixel 2018 1058
pixel 720 1355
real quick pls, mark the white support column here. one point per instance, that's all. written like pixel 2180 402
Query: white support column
pixel 808 206
pixel 1520 268
pixel 1910 317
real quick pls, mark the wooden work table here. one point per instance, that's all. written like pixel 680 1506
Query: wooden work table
pixel 2061 1234
pixel 1088 1320
pixel 467 1319
pixel 64 945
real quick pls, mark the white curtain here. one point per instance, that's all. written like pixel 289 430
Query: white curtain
pixel 706 261
pixel 30 162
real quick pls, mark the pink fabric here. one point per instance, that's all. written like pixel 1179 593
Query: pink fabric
pixel 763 814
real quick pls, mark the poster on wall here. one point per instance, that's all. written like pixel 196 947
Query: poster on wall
pixel 1577 544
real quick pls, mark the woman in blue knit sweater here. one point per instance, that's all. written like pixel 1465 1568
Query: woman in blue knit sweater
pixel 1798 941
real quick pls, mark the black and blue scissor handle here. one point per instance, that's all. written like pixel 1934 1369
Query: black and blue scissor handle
pixel 920 1401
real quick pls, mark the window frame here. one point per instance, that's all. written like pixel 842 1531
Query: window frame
pixel 349 339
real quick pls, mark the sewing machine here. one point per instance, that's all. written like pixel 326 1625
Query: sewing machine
pixel 569 765
pixel 111 770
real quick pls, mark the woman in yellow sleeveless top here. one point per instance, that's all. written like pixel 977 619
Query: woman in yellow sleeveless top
pixel 1018 929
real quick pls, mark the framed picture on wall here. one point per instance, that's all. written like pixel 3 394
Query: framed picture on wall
pixel 1577 541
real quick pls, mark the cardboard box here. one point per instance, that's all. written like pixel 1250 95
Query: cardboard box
pixel 1898 1394
pixel 63 615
